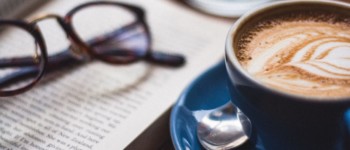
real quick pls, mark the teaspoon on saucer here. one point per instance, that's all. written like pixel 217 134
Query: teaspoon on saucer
pixel 223 128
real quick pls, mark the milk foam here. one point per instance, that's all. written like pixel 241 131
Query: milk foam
pixel 303 57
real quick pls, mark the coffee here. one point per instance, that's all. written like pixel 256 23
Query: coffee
pixel 301 53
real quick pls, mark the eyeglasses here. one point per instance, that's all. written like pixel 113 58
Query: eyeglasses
pixel 95 30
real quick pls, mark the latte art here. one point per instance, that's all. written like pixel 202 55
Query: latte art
pixel 303 57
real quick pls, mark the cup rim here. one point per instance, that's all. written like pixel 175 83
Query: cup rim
pixel 231 58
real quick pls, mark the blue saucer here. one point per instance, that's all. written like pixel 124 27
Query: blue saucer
pixel 207 92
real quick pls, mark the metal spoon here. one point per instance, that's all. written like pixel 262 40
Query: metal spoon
pixel 224 128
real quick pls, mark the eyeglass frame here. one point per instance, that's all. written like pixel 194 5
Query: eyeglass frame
pixel 80 48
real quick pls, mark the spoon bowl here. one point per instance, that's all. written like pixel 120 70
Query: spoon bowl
pixel 225 127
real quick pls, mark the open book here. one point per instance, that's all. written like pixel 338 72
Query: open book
pixel 100 106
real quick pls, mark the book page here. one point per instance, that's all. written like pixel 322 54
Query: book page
pixel 102 106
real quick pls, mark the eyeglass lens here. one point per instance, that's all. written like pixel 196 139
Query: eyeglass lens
pixel 115 31
pixel 17 43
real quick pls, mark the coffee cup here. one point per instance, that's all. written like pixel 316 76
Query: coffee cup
pixel 289 70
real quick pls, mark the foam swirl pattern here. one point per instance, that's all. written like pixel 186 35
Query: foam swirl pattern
pixel 303 57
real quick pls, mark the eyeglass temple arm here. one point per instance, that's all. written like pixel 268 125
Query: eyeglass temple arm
pixel 65 58
pixel 19 75
pixel 174 60
pixel 27 61
pixel 56 61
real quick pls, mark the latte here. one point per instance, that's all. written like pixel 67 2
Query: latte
pixel 304 53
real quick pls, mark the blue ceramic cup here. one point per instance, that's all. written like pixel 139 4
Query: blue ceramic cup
pixel 285 121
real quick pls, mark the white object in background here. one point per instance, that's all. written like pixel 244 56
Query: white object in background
pixel 226 8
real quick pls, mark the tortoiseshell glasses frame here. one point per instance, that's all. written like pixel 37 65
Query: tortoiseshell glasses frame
pixel 79 50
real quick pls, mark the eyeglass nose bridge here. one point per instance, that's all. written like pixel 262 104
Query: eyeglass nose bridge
pixel 77 50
